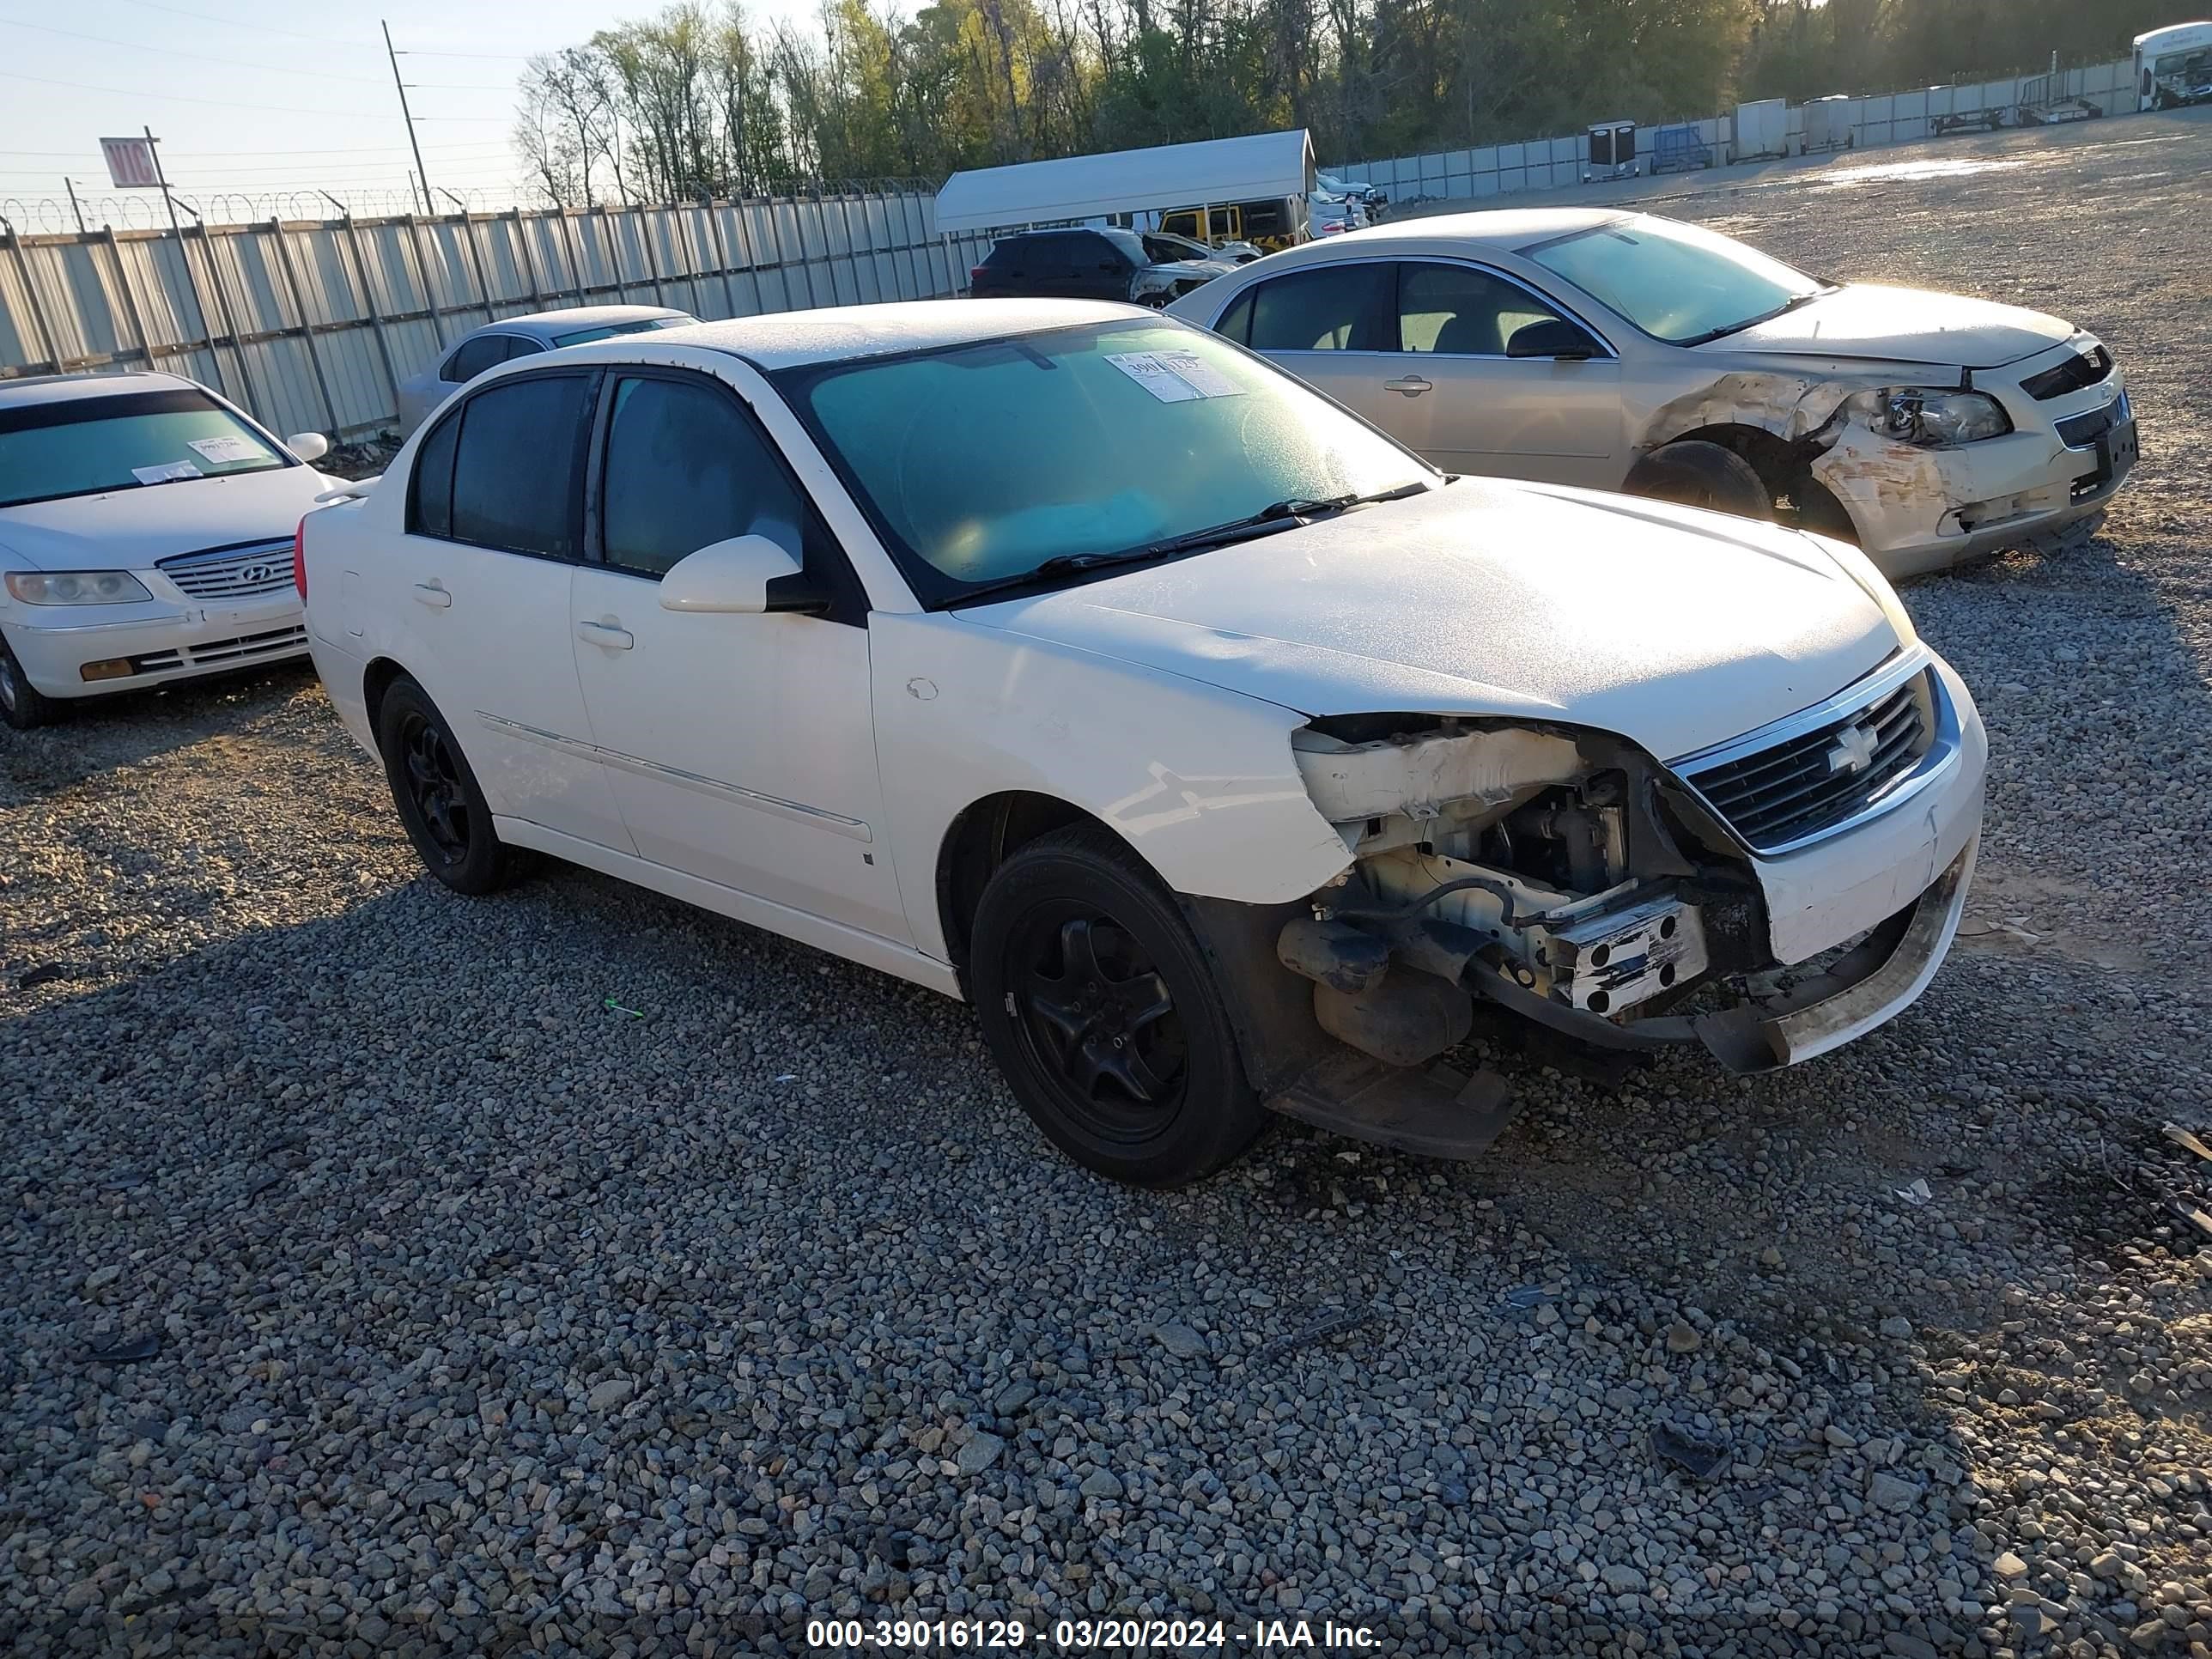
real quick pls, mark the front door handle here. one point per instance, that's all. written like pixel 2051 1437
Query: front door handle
pixel 605 633
pixel 433 595
pixel 1412 386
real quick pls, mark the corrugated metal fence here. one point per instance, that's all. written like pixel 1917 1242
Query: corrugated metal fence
pixel 1889 118
pixel 312 325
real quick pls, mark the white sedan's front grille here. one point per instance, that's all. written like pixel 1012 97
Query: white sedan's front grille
pixel 228 572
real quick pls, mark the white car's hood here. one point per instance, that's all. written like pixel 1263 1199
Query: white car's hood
pixel 1675 629
pixel 1903 325
pixel 130 528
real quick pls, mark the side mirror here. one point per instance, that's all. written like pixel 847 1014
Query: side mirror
pixel 308 446
pixel 1553 337
pixel 745 574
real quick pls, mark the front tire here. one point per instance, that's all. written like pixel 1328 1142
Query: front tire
pixel 1695 473
pixel 22 705
pixel 1103 1015
pixel 437 795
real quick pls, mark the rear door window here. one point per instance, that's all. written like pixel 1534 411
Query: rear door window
pixel 483 352
pixel 1335 309
pixel 501 471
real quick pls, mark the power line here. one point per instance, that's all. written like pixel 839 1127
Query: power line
pixel 175 51
pixel 510 56
pixel 219 103
pixel 258 28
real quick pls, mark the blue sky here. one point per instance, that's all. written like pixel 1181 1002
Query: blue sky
pixel 260 97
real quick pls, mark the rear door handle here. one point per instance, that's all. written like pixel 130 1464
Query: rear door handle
pixel 1412 386
pixel 605 633
pixel 432 594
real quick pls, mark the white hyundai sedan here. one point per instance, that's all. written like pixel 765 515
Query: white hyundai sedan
pixel 1225 754
pixel 146 530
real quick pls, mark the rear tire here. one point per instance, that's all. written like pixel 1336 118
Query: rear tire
pixel 437 795
pixel 22 705
pixel 1695 473
pixel 1103 1015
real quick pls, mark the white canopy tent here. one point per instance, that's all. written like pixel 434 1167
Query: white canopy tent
pixel 1264 166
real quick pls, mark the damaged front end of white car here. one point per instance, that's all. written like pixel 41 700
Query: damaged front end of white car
pixel 1770 899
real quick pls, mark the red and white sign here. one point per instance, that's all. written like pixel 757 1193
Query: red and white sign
pixel 130 163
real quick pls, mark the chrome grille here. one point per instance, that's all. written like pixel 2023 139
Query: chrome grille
pixel 225 572
pixel 2083 369
pixel 1817 778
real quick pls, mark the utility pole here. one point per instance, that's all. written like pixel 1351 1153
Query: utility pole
pixel 408 115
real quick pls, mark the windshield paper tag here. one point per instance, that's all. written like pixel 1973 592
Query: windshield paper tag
pixel 167 472
pixel 222 452
pixel 1174 377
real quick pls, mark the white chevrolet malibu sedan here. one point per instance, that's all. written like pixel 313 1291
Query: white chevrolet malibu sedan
pixel 146 530
pixel 1223 753
pixel 1623 351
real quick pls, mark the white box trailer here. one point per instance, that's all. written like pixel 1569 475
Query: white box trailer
pixel 1829 124
pixel 1762 130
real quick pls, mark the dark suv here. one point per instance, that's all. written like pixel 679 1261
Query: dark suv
pixel 1145 268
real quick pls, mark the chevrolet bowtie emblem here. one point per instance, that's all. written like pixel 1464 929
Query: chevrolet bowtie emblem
pixel 1854 750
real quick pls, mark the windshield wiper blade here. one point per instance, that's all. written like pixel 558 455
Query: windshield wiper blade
pixel 1294 509
pixel 1285 514
pixel 1781 310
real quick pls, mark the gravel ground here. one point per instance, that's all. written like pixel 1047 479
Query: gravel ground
pixel 487 1317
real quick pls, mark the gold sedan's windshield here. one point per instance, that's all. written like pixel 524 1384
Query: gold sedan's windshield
pixel 1677 283
pixel 980 462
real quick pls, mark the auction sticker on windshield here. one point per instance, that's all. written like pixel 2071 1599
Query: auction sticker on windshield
pixel 1174 377
pixel 222 452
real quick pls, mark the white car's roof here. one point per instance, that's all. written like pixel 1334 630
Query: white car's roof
pixel 545 324
pixel 791 338
pixel 68 388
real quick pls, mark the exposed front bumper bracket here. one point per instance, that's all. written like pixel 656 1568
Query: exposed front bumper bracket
pixel 1869 986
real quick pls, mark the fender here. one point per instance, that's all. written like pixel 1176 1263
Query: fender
pixel 1200 781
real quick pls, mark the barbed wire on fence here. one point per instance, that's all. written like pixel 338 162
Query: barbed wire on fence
pixel 34 215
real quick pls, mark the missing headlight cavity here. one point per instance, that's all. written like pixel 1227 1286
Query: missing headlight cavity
pixel 1545 857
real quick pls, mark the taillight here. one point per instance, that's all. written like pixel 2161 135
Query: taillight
pixel 300 560
pixel 974 273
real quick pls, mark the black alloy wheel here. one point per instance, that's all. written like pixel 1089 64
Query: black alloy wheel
pixel 1099 1021
pixel 1104 1014
pixel 433 782
pixel 439 800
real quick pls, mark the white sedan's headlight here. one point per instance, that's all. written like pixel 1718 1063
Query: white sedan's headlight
pixel 76 586
pixel 1930 417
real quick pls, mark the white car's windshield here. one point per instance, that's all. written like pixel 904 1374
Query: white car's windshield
pixel 1676 281
pixel 83 446
pixel 978 463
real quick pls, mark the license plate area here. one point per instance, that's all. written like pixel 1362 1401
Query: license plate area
pixel 2117 448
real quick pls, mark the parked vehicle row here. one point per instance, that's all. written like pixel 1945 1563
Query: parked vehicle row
pixel 1145 268
pixel 1163 683
pixel 1221 750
